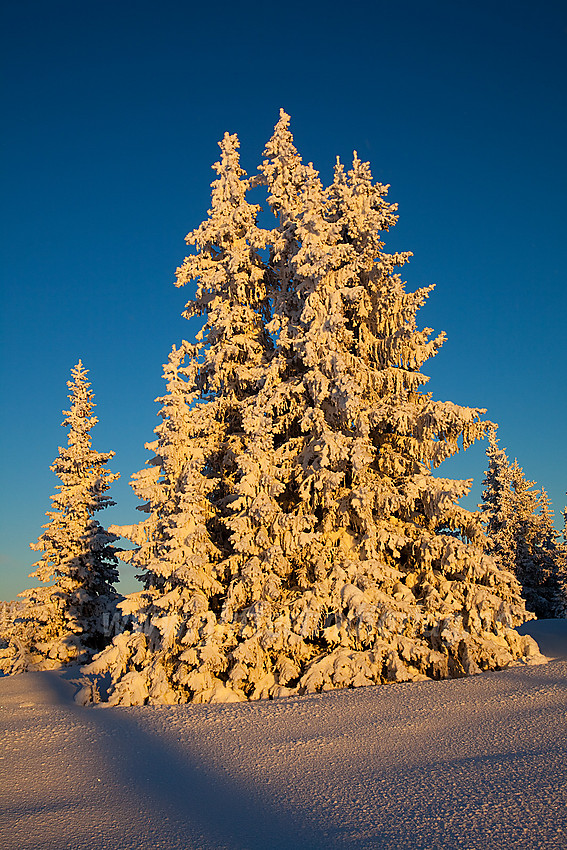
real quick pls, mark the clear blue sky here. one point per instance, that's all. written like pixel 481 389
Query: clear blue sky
pixel 112 112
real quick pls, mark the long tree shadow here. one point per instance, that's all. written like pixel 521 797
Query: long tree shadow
pixel 196 801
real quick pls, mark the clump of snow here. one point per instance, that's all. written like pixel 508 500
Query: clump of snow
pixel 550 635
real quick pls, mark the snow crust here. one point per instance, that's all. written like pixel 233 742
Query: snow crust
pixel 468 763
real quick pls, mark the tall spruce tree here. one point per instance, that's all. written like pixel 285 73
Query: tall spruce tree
pixel 67 619
pixel 520 532
pixel 366 568
pixel 330 553
pixel 178 645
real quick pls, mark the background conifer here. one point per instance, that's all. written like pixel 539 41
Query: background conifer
pixel 70 616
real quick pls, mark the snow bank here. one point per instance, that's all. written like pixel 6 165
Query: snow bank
pixel 466 763
pixel 550 635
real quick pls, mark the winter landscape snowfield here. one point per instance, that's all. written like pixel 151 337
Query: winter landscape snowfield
pixel 464 763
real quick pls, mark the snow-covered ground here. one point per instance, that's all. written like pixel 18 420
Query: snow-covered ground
pixel 468 763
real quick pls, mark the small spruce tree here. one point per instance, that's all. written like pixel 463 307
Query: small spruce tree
pixel 175 552
pixel 68 618
pixel 13 653
pixel 520 532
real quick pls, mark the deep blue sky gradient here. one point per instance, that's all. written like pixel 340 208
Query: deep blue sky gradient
pixel 111 115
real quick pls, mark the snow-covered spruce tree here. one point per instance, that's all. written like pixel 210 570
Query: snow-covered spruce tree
pixel 497 504
pixel 562 569
pixel 358 565
pixel 175 550
pixel 178 644
pixel 552 555
pixel 13 653
pixel 520 532
pixel 331 555
pixel 67 620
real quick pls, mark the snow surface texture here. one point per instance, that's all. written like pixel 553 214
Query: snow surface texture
pixel 466 763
